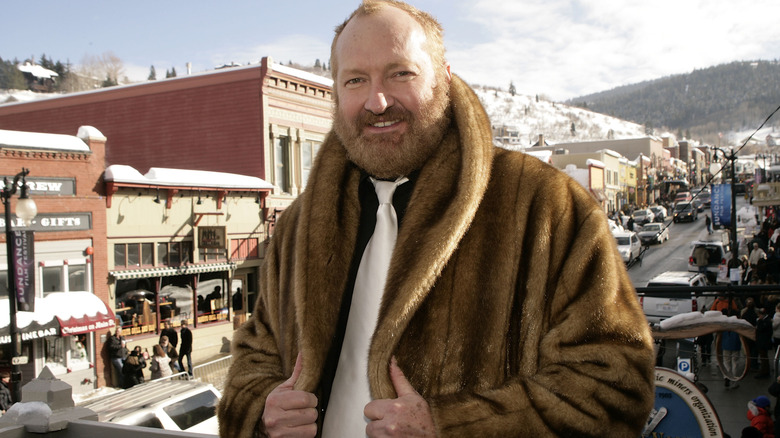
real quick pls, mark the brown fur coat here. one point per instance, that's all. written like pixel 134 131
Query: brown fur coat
pixel 507 304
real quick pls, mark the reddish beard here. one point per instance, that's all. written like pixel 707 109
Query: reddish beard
pixel 392 155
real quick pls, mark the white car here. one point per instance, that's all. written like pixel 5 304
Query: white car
pixel 658 307
pixel 654 232
pixel 178 405
pixel 628 244
pixel 659 211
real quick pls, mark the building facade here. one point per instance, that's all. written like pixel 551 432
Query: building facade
pixel 70 319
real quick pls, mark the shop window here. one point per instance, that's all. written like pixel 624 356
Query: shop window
pixel 282 163
pixel 65 353
pixel 176 299
pixel 135 306
pixel 174 253
pixel 213 255
pixel 131 255
pixel 243 249
pixel 212 298
pixel 309 151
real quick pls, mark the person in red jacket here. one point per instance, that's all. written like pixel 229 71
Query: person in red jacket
pixel 758 414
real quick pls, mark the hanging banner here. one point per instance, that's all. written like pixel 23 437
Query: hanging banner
pixel 721 205
pixel 23 264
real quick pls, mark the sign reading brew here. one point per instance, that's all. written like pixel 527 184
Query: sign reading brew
pixel 212 237
pixel 23 264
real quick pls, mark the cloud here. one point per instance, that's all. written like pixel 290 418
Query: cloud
pixel 567 48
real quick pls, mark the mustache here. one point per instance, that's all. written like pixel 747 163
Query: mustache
pixel 366 118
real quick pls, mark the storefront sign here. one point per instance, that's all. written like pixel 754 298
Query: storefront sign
pixel 39 334
pixel 211 237
pixel 23 262
pixel 50 186
pixel 53 222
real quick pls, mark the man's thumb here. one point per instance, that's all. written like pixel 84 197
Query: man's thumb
pixel 401 385
pixel 296 372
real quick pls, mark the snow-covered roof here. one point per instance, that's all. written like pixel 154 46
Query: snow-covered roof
pixel 158 176
pixel 595 162
pixel 39 140
pixel 36 70
pixel 311 77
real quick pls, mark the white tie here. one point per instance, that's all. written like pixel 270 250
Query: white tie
pixel 350 392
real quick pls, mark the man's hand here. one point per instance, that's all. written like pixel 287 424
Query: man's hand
pixel 406 416
pixel 290 413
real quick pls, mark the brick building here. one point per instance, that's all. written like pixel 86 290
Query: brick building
pixel 69 260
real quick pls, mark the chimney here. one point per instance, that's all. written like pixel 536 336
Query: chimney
pixel 189 68
pixel 541 140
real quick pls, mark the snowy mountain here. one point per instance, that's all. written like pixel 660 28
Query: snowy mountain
pixel 527 117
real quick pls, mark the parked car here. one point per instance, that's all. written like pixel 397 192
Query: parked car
pixel 660 306
pixel 659 211
pixel 705 198
pixel 181 405
pixel 628 244
pixel 684 211
pixel 718 252
pixel 654 232
pixel 643 216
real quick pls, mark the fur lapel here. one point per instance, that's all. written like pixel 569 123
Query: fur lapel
pixel 445 200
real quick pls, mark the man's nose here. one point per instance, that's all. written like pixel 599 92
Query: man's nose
pixel 378 100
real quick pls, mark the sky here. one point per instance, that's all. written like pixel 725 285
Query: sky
pixel 559 49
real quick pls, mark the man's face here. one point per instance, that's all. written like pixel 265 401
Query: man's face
pixel 392 103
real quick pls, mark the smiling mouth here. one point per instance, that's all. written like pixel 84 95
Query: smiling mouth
pixel 384 124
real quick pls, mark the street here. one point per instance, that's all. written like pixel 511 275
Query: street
pixel 729 403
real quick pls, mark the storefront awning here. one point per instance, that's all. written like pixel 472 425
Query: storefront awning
pixel 59 313
pixel 170 271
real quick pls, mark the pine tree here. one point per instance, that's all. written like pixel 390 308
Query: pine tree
pixel 152 74
pixel 317 63
pixel 512 89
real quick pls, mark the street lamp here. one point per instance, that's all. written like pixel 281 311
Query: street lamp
pixel 25 211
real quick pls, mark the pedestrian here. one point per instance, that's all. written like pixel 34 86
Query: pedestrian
pixel 186 347
pixel 131 368
pixel 5 392
pixel 171 352
pixel 731 346
pixel 763 342
pixel 161 363
pixel 630 223
pixel 358 329
pixel 759 417
pixel 170 332
pixel 117 351
pixel 702 258
pixel 708 222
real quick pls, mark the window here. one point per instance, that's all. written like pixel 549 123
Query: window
pixel 243 249
pixel 193 410
pixel 174 253
pixel 212 297
pixel 282 163
pixel 67 352
pixel 129 255
pixel 51 279
pixel 65 276
pixel 309 151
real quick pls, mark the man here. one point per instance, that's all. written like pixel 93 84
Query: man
pixel 186 347
pixel 171 352
pixel 170 332
pixel 702 258
pixel 5 393
pixel 117 351
pixel 487 325
pixel 708 223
